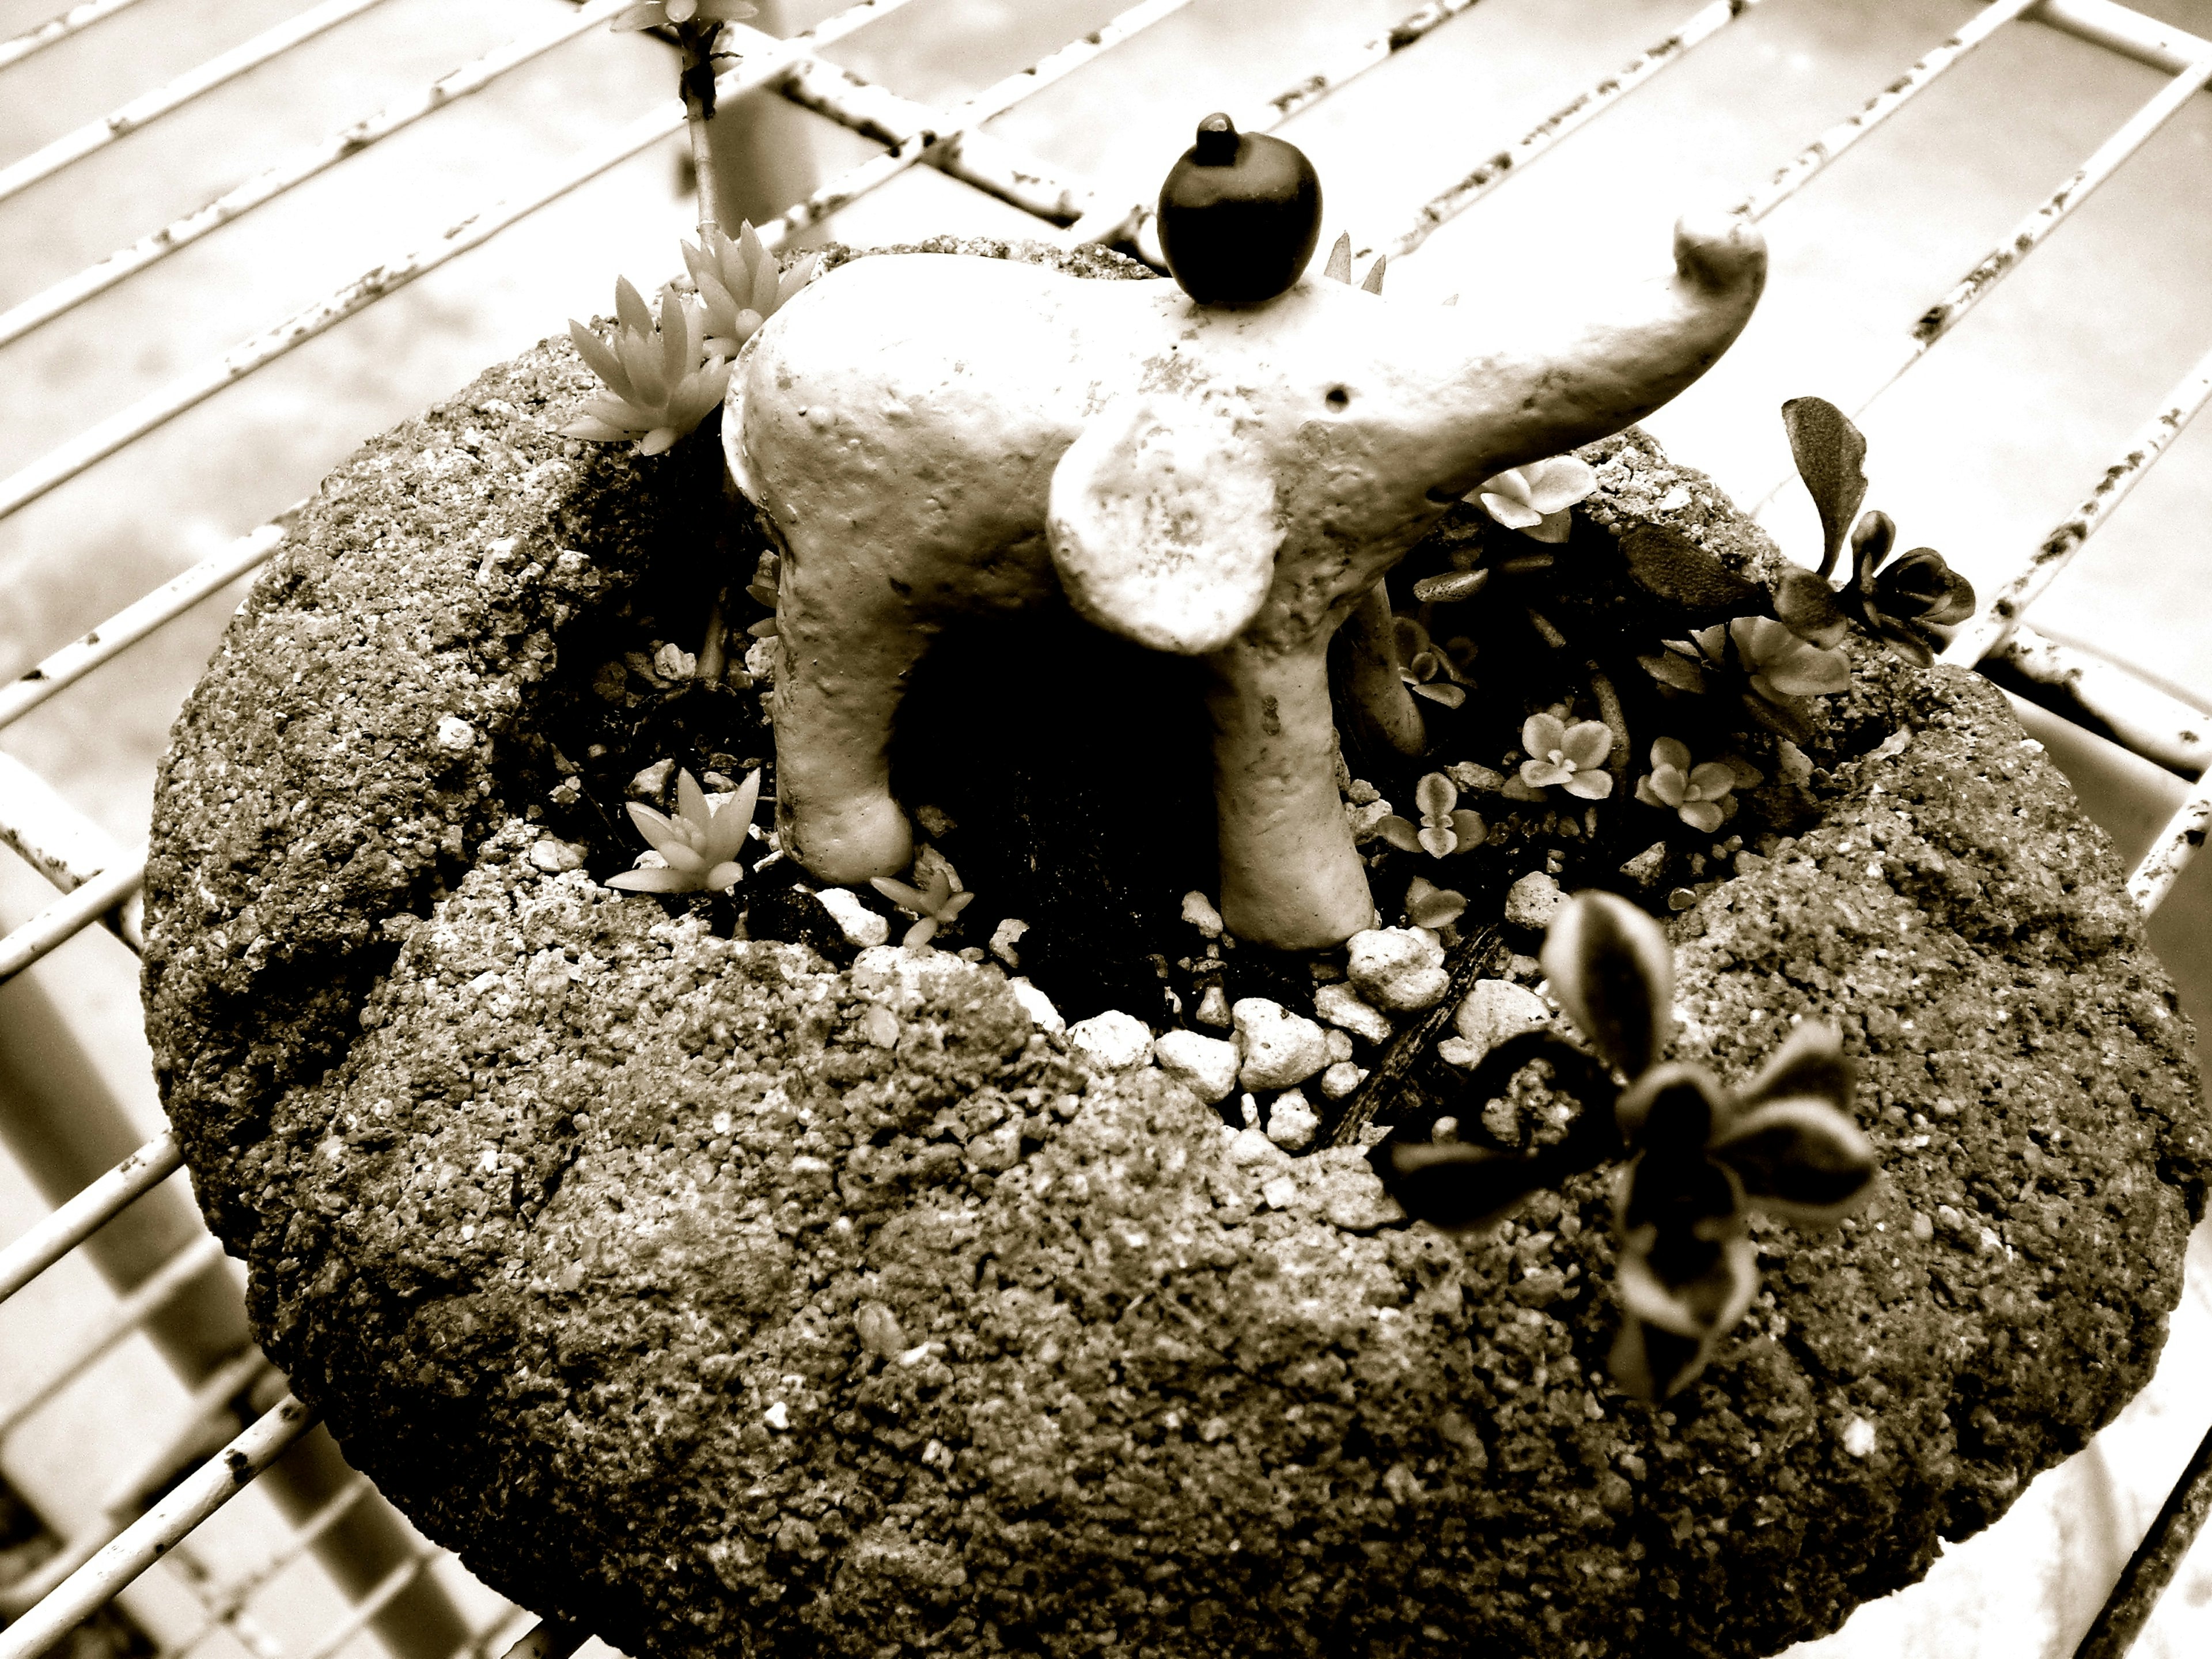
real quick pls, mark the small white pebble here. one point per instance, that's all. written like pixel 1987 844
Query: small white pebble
pixel 860 926
pixel 1858 1437
pixel 1214 1008
pixel 652 780
pixel 1036 1004
pixel 1292 1121
pixel 1280 1192
pixel 1198 910
pixel 1005 937
pixel 553 856
pixel 1113 1040
pixel 778 1416
pixel 1342 1078
pixel 455 735
pixel 673 662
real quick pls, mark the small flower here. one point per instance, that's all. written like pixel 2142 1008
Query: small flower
pixel 933 907
pixel 739 284
pixel 1429 906
pixel 1534 499
pixel 1774 669
pixel 698 848
pixel 1431 670
pixel 1573 758
pixel 1443 830
pixel 1702 796
pixel 663 380
pixel 672 14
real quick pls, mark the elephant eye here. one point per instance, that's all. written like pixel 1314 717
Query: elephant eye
pixel 1339 398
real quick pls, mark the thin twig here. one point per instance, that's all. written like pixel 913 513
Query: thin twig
pixel 1407 1048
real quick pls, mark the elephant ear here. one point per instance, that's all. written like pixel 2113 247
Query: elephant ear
pixel 1162 517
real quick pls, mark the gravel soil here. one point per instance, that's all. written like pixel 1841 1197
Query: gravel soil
pixel 726 1297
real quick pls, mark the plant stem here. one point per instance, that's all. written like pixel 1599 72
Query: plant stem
pixel 1382 713
pixel 1609 709
pixel 713 656
pixel 697 79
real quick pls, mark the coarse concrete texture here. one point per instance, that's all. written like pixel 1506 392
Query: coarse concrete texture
pixel 1977 451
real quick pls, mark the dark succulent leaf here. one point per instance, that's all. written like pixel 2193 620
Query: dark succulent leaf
pixel 1923 588
pixel 1651 1365
pixel 1830 456
pixel 1671 1108
pixel 1670 566
pixel 1673 670
pixel 1872 538
pixel 1808 608
pixel 1801 1160
pixel 1688 1199
pixel 1904 638
pixel 1811 1065
pixel 1457 1188
pixel 1592 1133
pixel 1613 971
pixel 1786 717
pixel 1451 586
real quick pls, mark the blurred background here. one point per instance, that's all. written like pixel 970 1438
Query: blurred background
pixel 1990 440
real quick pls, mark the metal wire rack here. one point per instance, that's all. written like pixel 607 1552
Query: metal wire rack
pixel 171 1285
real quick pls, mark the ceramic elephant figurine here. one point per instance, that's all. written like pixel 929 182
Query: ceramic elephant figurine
pixel 935 436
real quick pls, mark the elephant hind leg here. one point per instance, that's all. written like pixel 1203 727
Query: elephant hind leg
pixel 839 680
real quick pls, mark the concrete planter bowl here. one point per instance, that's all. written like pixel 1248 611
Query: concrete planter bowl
pixel 722 1296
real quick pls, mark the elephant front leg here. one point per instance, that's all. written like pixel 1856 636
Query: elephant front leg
pixel 1290 876
pixel 839 679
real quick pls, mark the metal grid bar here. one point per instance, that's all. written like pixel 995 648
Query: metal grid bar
pixel 120 1321
pixel 63 845
pixel 55 30
pixel 2142 717
pixel 2093 19
pixel 94 136
pixel 87 1212
pixel 225 1605
pixel 199 1496
pixel 266 186
pixel 1586 106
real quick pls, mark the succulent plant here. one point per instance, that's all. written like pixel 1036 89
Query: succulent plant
pixel 1700 1155
pixel 1901 604
pixel 1534 499
pixel 739 284
pixel 1446 827
pixel 663 381
pixel 932 907
pixel 699 846
pixel 1703 796
pixel 1439 672
pixel 1429 906
pixel 1570 758
pixel 1771 666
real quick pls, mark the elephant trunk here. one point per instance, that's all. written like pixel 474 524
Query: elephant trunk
pixel 1544 390
pixel 1290 876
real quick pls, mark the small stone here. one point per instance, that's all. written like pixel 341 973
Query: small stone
pixel 1340 1080
pixel 1339 1046
pixel 1205 1066
pixel 1681 899
pixel 1458 1051
pixel 1292 1121
pixel 760 660
pixel 1923 1228
pixel 929 864
pixel 1534 900
pixel 1503 1121
pixel 1340 1004
pixel 1248 1109
pixel 877 1328
pixel 1367 820
pixel 1280 1192
pixel 1251 1148
pixel 1113 1040
pixel 1352 1195
pixel 880 1026
pixel 673 662
pixel 1037 1006
pixel 1399 969
pixel 1005 937
pixel 1198 910
pixel 1858 1438
pixel 1000 1150
pixel 1494 1010
pixel 553 856
pixel 934 821
pixel 1480 780
pixel 1360 793
pixel 1214 1008
pixel 648 783
pixel 778 1416
pixel 860 926
pixel 455 735
pixel 1281 1049
pixel 1749 863
pixel 1646 868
